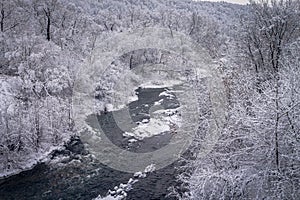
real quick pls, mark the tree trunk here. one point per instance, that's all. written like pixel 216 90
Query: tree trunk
pixel 277 121
pixel 48 27
pixel 2 20
pixel 130 62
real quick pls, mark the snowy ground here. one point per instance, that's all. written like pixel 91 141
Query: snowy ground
pixel 164 121
pixel 161 83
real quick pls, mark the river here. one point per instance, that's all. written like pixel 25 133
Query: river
pixel 74 173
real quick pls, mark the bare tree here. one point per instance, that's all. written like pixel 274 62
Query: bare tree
pixel 46 9
pixel 272 25
pixel 9 18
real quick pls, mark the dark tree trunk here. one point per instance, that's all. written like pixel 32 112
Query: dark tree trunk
pixel 2 20
pixel 48 28
pixel 131 62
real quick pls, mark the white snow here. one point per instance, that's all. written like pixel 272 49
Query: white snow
pixel 154 127
pixel 132 98
pixel 162 121
pixel 158 102
pixel 132 140
pixel 161 83
pixel 145 121
pixel 109 197
pixel 167 94
pixel 120 192
pixel 110 107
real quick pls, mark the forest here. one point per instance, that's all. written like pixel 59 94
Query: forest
pixel 63 60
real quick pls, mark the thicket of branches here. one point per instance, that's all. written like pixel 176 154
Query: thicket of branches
pixel 257 156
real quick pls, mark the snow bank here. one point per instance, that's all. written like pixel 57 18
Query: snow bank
pixel 161 83
pixel 143 130
pixel 164 120
pixel 31 162
pixel 167 94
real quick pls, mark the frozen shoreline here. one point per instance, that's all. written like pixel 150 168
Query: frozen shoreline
pixel 39 158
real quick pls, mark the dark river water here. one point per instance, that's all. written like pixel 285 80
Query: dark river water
pixel 79 175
